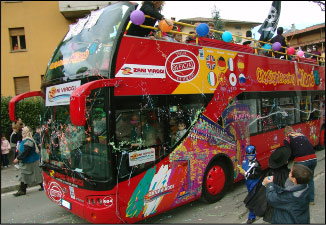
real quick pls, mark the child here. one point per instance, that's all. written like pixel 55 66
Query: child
pixel 291 204
pixel 181 131
pixel 5 148
pixel 251 170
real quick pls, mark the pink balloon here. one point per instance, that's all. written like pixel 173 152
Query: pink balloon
pixel 300 53
pixel 290 51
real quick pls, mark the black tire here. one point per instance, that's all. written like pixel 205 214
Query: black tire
pixel 216 181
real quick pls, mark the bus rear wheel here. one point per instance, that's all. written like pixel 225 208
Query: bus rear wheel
pixel 215 182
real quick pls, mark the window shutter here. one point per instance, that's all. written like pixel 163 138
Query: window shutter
pixel 21 85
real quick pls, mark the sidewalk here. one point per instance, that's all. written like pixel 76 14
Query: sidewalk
pixel 9 179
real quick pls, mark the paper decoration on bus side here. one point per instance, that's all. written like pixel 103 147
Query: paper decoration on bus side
pixel 84 23
pixel 75 29
pixel 93 18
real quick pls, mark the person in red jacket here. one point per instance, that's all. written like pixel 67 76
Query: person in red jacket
pixel 303 153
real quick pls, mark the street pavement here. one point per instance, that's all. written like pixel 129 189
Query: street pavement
pixel 9 183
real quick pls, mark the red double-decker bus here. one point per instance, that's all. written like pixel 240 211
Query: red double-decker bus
pixel 134 127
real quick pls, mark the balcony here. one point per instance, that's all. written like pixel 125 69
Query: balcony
pixel 79 9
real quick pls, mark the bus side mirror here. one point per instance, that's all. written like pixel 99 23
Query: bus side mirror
pixel 14 100
pixel 78 99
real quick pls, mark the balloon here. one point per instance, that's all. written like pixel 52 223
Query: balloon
pixel 164 26
pixel 267 46
pixel 300 53
pixel 290 51
pixel 202 29
pixel 227 36
pixel 137 17
pixel 276 46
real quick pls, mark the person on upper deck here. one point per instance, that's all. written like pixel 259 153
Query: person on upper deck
pixel 282 40
pixel 150 8
pixel 248 42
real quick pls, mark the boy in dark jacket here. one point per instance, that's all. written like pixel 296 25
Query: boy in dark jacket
pixel 291 204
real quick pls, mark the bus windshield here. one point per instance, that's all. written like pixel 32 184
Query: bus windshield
pixel 78 149
pixel 86 49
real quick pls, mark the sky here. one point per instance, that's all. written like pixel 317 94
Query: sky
pixel 300 13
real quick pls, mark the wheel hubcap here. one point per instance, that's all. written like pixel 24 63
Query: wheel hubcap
pixel 215 180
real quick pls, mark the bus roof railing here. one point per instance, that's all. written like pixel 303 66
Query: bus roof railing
pixel 318 57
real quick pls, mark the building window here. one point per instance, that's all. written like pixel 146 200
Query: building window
pixel 17 39
pixel 238 39
pixel 21 85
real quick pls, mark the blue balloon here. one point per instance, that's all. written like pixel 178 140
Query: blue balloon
pixel 202 29
pixel 267 46
pixel 227 36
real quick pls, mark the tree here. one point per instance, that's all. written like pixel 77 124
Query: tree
pixel 218 23
pixel 321 5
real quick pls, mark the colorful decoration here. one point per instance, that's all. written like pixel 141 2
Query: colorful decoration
pixel 300 53
pixel 290 51
pixel 137 17
pixel 276 46
pixel 210 62
pixel 267 46
pixel 227 36
pixel 242 79
pixel 164 26
pixel 202 29
pixel 221 63
pixel 212 80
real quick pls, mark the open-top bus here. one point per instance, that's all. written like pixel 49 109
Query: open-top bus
pixel 114 148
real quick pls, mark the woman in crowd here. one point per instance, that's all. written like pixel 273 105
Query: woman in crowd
pixel 29 169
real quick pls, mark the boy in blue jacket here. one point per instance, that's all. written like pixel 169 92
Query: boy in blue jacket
pixel 251 170
pixel 291 204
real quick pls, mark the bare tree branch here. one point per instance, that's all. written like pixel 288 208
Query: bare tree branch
pixel 321 4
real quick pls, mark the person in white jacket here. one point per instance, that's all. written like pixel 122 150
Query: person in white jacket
pixel 5 148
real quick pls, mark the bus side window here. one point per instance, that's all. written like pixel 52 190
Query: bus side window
pixel 297 109
pixel 315 107
pixel 287 111
pixel 305 108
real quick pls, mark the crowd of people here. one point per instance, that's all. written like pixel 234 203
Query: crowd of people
pixel 153 9
pixel 24 147
pixel 279 194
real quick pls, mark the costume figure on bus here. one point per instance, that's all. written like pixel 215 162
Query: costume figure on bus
pixel 251 170
pixel 152 9
pixel 282 40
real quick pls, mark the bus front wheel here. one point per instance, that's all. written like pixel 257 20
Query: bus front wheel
pixel 215 182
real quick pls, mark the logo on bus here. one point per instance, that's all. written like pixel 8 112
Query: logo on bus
pixel 182 66
pixel 55 192
pixel 126 71
pixel 108 201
